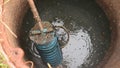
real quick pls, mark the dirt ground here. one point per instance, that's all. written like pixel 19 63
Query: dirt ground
pixel 10 18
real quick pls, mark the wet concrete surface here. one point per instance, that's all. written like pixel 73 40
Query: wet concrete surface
pixel 88 28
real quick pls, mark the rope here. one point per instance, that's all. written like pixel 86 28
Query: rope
pixel 1 20
pixel 30 62
pixel 67 34
pixel 49 66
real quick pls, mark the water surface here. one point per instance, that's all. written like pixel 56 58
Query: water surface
pixel 88 28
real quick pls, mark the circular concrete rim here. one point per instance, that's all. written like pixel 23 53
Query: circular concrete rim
pixel 112 10
pixel 110 7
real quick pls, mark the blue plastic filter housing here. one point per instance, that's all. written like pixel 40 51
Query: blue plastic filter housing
pixel 50 52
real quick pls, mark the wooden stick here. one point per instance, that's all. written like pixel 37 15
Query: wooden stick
pixel 35 13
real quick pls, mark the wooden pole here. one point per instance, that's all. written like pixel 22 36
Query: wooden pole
pixel 35 13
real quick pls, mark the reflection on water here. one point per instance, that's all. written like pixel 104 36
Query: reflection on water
pixel 78 49
pixel 88 26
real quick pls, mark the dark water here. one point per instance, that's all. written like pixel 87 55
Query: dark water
pixel 88 26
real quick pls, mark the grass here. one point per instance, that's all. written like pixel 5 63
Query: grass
pixel 3 63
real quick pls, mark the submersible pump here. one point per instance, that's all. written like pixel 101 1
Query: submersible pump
pixel 47 44
pixel 45 39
